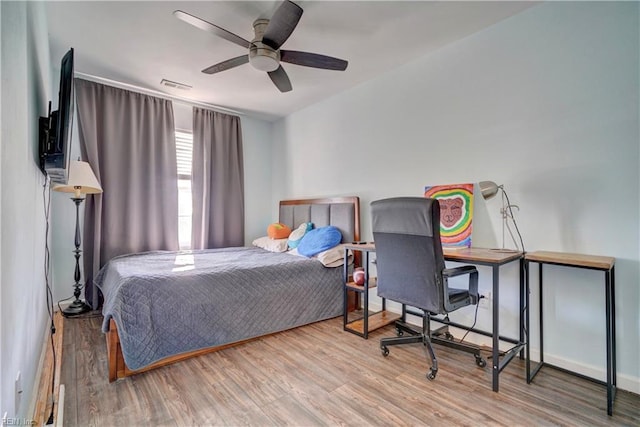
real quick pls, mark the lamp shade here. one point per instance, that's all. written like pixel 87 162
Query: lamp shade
pixel 488 189
pixel 82 180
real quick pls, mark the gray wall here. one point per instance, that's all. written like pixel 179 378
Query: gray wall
pixel 546 103
pixel 26 89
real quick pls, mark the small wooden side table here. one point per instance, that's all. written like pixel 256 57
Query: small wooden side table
pixel 369 321
pixel 592 262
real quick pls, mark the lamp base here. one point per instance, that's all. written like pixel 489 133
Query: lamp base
pixel 75 308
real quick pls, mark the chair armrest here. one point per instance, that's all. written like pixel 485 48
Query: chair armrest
pixel 472 271
pixel 458 271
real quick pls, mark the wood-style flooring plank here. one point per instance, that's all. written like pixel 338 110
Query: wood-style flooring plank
pixel 319 375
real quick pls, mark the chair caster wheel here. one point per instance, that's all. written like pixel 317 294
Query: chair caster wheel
pixel 432 375
pixel 385 350
pixel 448 336
pixel 481 362
pixel 399 332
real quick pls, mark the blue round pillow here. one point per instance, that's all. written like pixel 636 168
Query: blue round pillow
pixel 318 240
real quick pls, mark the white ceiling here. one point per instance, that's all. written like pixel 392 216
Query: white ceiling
pixel 141 42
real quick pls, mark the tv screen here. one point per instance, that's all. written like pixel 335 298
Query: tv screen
pixel 55 131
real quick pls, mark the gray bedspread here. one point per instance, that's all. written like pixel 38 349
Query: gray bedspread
pixel 167 303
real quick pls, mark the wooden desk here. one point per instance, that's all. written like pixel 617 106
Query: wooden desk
pixel 494 258
pixel 592 262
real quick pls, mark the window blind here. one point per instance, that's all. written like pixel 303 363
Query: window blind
pixel 184 154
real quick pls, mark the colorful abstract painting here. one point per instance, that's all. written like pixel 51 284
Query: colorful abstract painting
pixel 456 212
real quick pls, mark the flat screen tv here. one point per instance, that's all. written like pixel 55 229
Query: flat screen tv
pixel 55 129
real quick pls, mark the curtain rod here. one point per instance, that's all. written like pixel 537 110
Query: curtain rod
pixel 177 99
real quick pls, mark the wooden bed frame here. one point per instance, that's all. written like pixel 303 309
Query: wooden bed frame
pixel 117 366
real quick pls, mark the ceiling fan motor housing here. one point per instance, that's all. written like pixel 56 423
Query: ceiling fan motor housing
pixel 261 56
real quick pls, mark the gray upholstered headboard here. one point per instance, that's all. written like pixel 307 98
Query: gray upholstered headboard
pixel 341 212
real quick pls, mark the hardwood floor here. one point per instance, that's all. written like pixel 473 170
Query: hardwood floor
pixel 320 375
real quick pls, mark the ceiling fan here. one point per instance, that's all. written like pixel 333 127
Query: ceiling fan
pixel 264 50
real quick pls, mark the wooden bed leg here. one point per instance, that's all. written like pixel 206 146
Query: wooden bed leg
pixel 113 343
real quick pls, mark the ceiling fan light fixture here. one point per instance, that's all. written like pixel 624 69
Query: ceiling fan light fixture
pixel 264 63
pixel 263 58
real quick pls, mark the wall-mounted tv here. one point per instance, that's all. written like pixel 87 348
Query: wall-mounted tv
pixel 55 129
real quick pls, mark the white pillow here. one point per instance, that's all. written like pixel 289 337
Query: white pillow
pixel 333 257
pixel 271 245
pixel 295 252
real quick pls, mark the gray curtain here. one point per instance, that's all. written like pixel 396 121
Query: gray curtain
pixel 217 180
pixel 129 140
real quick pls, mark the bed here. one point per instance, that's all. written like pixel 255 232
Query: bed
pixel 162 307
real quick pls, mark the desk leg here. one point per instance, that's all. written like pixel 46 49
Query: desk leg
pixel 345 278
pixel 366 295
pixel 496 327
pixel 522 306
pixel 532 373
pixel 613 326
pixel 527 321
pixel 611 337
pixel 541 313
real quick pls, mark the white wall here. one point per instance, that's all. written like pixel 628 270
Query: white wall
pixel 546 103
pixel 257 148
pixel 25 91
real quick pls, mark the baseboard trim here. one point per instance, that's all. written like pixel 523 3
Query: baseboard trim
pixel 60 411
pixel 46 400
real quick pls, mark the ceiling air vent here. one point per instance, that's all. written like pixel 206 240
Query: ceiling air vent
pixel 175 85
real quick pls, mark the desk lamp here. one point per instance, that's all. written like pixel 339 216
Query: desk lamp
pixel 489 189
pixel 81 181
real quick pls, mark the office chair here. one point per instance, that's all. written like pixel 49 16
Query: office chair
pixel 411 271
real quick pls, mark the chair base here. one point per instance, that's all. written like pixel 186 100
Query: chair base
pixel 415 337
pixel 427 337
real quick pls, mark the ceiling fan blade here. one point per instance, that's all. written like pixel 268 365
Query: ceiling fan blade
pixel 214 29
pixel 225 65
pixel 280 78
pixel 282 24
pixel 314 60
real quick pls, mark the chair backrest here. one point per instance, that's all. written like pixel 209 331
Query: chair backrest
pixel 409 259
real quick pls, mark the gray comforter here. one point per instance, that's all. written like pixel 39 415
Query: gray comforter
pixel 167 303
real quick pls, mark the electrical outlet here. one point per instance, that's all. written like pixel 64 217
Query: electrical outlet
pixel 18 391
pixel 486 301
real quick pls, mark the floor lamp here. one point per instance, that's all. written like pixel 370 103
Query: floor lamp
pixel 489 189
pixel 82 181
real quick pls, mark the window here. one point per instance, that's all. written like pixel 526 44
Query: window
pixel 184 155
